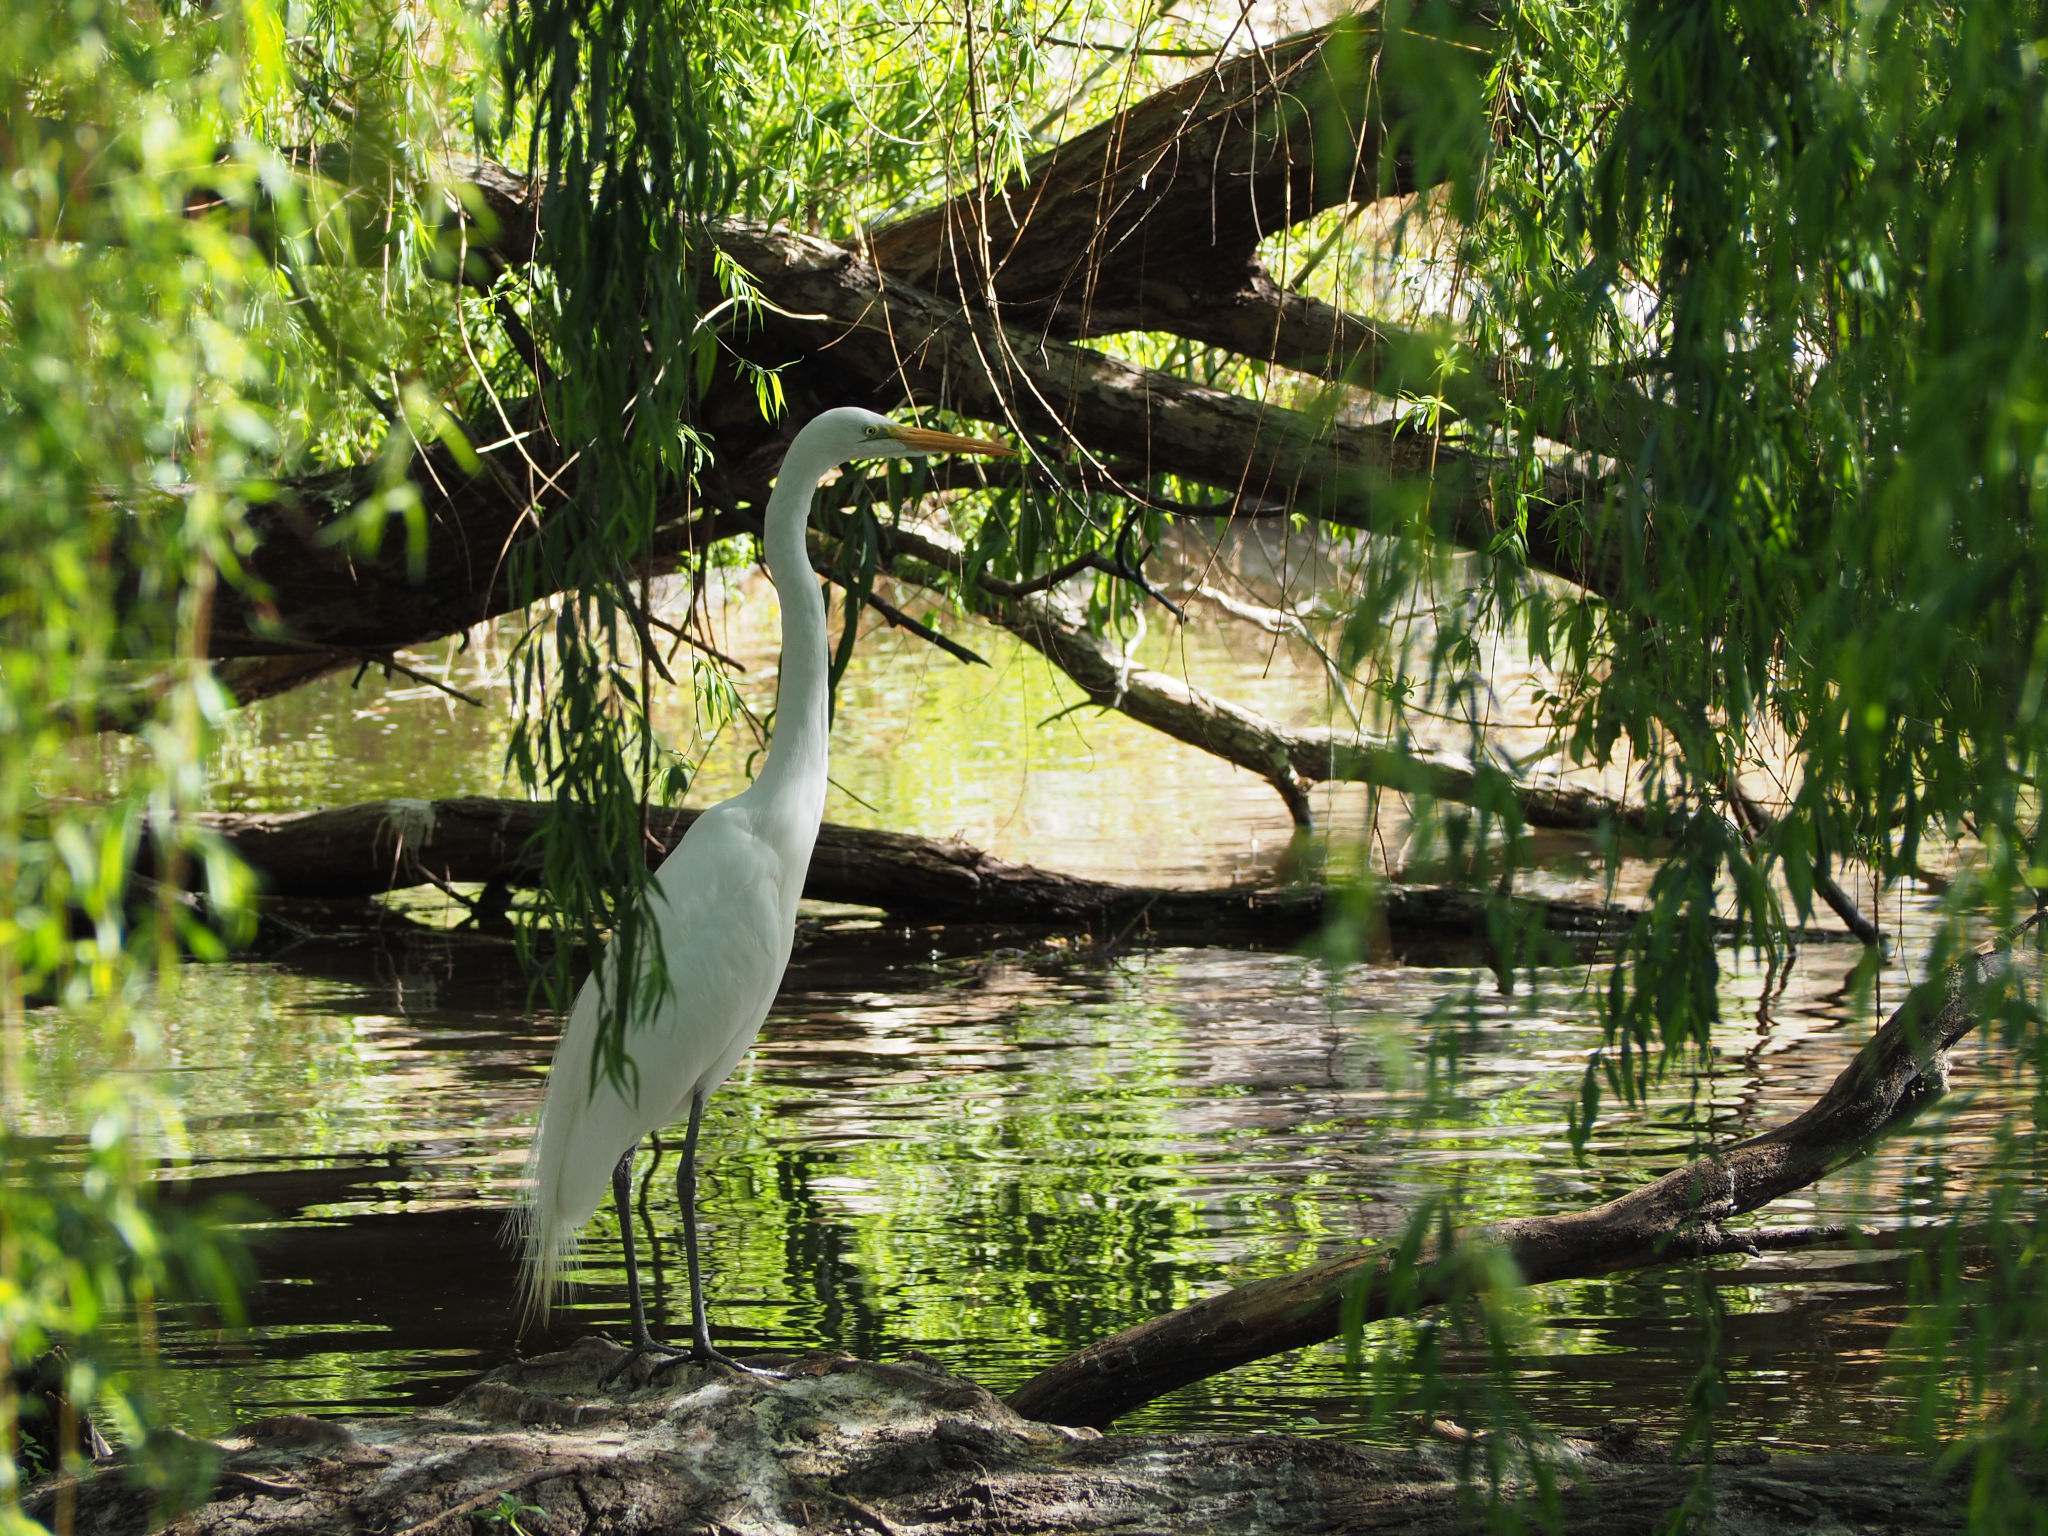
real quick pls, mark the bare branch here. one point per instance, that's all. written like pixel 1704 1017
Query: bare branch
pixel 1286 758
pixel 1760 822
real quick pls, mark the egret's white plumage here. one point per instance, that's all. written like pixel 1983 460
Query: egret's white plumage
pixel 724 908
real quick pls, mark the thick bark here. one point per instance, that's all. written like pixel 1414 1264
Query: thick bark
pixel 1194 175
pixel 1182 186
pixel 313 595
pixel 1158 211
pixel 382 845
pixel 872 345
pixel 1151 221
pixel 1103 409
pixel 1902 1069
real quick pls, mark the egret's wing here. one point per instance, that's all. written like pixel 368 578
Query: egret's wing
pixel 724 906
pixel 723 927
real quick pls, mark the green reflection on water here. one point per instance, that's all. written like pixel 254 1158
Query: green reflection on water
pixel 993 1158
pixel 922 744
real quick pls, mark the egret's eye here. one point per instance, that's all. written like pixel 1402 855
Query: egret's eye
pixel 874 431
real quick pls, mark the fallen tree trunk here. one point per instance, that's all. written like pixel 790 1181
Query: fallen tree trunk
pixel 1899 1071
pixel 383 845
pixel 968 305
pixel 1104 408
pixel 1185 183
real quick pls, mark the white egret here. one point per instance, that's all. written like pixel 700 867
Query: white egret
pixel 724 909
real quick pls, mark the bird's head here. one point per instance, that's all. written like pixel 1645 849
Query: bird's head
pixel 852 433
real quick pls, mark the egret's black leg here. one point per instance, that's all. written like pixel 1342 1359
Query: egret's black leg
pixel 622 1197
pixel 644 1343
pixel 656 1285
pixel 686 1192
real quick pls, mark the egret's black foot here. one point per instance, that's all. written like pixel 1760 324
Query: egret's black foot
pixel 640 1350
pixel 703 1354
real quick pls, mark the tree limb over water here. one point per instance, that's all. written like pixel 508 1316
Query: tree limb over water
pixel 383 845
pixel 1150 220
pixel 1900 1071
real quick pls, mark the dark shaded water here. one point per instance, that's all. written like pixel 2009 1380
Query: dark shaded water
pixel 996 1154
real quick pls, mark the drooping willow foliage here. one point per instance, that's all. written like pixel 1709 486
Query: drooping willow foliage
pixel 1808 247
pixel 1804 247
pixel 125 350
pixel 1788 264
pixel 672 115
pixel 184 313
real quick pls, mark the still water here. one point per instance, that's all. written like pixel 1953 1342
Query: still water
pixel 991 1147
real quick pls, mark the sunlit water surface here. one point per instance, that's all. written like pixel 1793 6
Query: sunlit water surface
pixel 996 1148
pixel 997 1157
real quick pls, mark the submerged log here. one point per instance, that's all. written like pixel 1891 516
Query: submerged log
pixel 841 1445
pixel 1898 1072
pixel 383 845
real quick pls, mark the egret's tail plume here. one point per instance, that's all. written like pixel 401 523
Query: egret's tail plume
pixel 546 1244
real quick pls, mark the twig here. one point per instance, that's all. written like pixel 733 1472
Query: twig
pixel 326 337
pixel 391 664
pixel 870 1517
pixel 1109 950
pixel 497 1491
pixel 925 632
pixel 684 637
pixel 263 1485
pixel 1135 573
pixel 522 341
pixel 888 610
pixel 1823 883
pixel 1047 580
pixel 1122 50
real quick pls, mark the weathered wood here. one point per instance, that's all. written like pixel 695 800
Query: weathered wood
pixel 1195 175
pixel 1901 1069
pixel 381 845
pixel 1288 757
pixel 866 343
pixel 1159 209
pixel 841 1445
pixel 968 361
pixel 1151 220
pixel 1178 190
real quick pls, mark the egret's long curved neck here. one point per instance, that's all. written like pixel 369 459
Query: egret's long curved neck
pixel 793 777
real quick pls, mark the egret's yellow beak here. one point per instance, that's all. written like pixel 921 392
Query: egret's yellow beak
pixel 924 440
